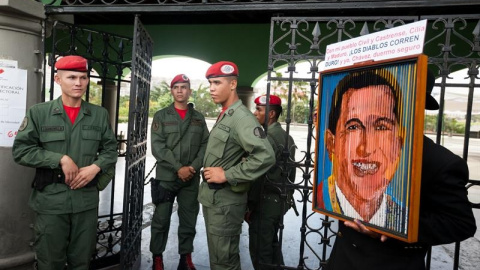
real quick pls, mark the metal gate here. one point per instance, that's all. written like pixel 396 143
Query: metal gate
pixel 136 147
pixel 116 63
pixel 452 44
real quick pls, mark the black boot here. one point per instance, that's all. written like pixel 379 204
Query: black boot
pixel 186 262
pixel 157 262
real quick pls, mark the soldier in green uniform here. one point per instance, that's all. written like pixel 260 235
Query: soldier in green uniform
pixel 69 142
pixel 265 205
pixel 237 154
pixel 179 138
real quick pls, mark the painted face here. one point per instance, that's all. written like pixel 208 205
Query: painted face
pixel 73 83
pixel 220 89
pixel 367 143
pixel 181 92
pixel 260 114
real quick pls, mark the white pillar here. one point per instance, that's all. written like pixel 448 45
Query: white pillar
pixel 21 41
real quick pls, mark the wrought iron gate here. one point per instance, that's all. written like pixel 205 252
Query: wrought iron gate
pixel 136 147
pixel 452 43
pixel 111 59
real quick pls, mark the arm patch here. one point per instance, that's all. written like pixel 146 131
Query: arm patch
pixel 24 124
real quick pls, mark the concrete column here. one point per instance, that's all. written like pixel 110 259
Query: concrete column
pixel 21 41
pixel 245 93
pixel 110 99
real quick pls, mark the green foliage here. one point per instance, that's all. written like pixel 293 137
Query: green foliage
pixel 203 102
pixel 160 97
pixel 95 94
pixel 449 124
pixel 300 99
pixel 430 122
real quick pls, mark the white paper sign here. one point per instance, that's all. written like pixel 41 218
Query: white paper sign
pixel 4 63
pixel 395 42
pixel 13 103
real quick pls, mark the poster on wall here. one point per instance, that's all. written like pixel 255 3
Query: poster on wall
pixel 13 103
pixel 369 144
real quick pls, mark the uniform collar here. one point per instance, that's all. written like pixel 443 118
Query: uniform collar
pixel 58 107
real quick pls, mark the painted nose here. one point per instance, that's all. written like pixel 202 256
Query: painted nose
pixel 365 145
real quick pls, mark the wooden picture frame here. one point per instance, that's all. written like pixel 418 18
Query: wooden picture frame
pixel 369 167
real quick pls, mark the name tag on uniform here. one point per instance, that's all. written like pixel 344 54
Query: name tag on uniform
pixel 52 128
pixel 85 127
pixel 224 128
pixel 170 123
pixel 196 122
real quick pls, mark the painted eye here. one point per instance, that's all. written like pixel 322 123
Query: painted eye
pixel 353 127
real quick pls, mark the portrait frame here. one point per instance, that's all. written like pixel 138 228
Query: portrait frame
pixel 369 167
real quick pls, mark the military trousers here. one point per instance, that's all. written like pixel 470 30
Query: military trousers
pixel 188 207
pixel 224 225
pixel 65 239
pixel 263 233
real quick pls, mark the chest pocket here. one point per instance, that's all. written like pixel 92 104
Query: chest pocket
pixel 219 141
pixel 51 137
pixel 91 133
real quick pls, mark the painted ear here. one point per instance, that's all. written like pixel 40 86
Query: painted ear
pixel 330 143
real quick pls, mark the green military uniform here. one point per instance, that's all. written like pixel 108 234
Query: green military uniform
pixel 237 144
pixel 172 154
pixel 66 222
pixel 266 205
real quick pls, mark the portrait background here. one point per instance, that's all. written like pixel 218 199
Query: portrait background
pixel 405 185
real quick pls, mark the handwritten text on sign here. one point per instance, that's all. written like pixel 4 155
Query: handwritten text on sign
pixel 396 42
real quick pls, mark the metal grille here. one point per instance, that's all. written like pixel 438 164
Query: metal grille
pixel 107 57
pixel 452 43
pixel 136 147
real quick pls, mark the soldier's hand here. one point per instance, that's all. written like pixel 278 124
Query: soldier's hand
pixel 84 176
pixel 185 173
pixel 359 227
pixel 69 168
pixel 214 175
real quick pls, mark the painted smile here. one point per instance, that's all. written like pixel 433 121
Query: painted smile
pixel 362 168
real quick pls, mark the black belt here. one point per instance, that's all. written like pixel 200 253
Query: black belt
pixel 45 177
pixel 214 186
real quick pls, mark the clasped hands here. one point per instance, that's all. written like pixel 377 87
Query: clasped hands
pixel 77 177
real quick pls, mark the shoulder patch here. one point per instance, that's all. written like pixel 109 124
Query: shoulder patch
pixel 24 124
pixel 155 125
pixel 259 132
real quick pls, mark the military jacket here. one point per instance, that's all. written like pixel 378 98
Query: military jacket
pixel 172 154
pixel 238 144
pixel 276 135
pixel 47 134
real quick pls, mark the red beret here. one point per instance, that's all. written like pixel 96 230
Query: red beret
pixel 222 69
pixel 274 100
pixel 180 78
pixel 73 63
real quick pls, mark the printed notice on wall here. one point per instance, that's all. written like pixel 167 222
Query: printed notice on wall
pixel 5 63
pixel 13 103
pixel 395 42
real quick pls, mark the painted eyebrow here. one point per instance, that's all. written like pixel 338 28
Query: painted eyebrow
pixel 386 119
pixel 355 120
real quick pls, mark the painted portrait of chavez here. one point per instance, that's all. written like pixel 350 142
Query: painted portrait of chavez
pixel 364 146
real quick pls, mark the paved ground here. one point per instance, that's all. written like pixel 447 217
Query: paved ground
pixel 442 256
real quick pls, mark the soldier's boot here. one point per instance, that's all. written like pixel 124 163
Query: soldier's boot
pixel 157 262
pixel 186 262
